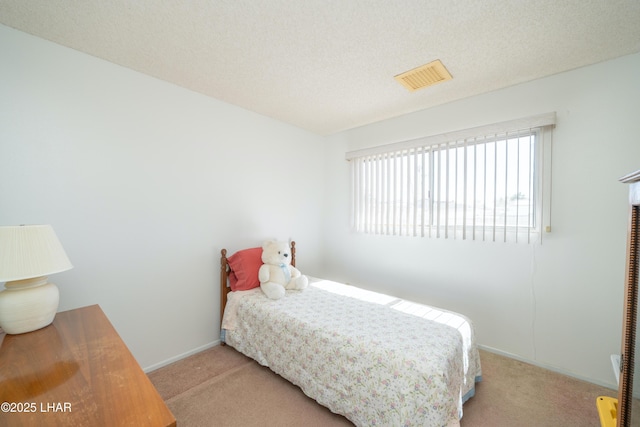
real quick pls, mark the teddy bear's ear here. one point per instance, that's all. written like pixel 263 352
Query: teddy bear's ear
pixel 267 243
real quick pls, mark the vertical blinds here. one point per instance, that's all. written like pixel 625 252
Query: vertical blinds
pixel 485 183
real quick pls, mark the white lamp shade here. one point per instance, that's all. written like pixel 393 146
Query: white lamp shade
pixel 28 251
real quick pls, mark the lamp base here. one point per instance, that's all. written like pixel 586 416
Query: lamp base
pixel 28 305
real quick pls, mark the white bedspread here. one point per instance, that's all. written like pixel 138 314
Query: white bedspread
pixel 377 360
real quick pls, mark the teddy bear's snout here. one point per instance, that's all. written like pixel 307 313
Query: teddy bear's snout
pixel 285 255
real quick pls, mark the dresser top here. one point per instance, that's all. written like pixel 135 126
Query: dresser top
pixel 76 372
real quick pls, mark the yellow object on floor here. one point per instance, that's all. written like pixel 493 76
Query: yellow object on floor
pixel 607 408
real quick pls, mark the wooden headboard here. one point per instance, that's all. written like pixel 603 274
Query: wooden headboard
pixel 225 269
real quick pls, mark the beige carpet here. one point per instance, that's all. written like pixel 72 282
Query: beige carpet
pixel 221 387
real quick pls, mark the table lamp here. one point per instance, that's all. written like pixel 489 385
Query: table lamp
pixel 28 254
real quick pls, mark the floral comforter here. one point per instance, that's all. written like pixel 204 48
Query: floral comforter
pixel 377 360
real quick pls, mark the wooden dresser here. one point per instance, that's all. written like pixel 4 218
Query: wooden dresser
pixel 75 372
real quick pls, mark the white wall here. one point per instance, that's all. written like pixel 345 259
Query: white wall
pixel 558 304
pixel 144 183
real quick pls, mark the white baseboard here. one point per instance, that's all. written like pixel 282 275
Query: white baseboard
pixel 613 387
pixel 180 356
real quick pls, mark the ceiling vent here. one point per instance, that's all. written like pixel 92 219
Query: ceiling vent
pixel 424 76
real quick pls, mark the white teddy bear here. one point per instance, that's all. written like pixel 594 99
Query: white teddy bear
pixel 277 274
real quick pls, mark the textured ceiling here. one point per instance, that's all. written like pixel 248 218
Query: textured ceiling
pixel 328 65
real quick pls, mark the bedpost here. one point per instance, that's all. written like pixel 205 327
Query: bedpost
pixel 293 253
pixel 223 283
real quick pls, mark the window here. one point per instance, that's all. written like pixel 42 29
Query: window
pixel 487 183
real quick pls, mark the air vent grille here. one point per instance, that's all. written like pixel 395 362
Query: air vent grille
pixel 424 76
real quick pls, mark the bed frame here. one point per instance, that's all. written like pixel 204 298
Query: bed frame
pixel 225 269
pixel 394 392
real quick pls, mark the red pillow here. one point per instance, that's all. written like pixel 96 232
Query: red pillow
pixel 244 269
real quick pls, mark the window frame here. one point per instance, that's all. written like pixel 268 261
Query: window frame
pixel 367 221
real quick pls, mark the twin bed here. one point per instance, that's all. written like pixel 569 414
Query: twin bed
pixel 373 358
